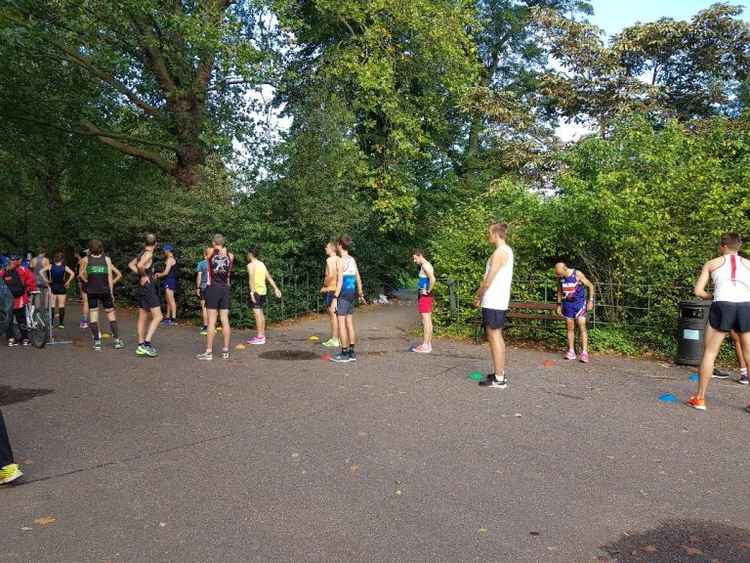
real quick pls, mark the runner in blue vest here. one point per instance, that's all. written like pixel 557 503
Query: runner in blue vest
pixel 574 306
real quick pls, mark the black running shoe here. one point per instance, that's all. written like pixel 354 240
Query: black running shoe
pixel 493 382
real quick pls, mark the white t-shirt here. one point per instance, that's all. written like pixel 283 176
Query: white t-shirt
pixel 731 280
pixel 497 295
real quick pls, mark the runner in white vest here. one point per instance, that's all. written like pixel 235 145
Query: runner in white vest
pixel 730 310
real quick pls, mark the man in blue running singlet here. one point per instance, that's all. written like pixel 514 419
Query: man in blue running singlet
pixel 348 290
pixel 572 291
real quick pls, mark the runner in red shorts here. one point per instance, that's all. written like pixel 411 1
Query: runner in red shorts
pixel 424 299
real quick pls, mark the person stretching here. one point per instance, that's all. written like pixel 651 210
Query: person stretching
pixel 574 307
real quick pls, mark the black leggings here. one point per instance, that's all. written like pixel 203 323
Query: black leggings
pixel 6 454
pixel 20 315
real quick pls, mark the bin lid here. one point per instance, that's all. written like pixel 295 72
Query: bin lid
pixel 695 303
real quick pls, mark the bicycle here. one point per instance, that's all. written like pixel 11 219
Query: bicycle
pixel 38 323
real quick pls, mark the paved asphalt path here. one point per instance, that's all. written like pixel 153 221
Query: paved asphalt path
pixel 397 458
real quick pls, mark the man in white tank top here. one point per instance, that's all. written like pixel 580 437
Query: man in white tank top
pixel 494 297
pixel 730 310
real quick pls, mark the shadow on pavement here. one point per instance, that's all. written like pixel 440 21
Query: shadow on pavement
pixel 683 540
pixel 10 395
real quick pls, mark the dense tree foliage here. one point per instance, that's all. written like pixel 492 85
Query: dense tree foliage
pixel 405 123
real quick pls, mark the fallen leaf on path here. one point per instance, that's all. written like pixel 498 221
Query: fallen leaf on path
pixel 692 550
pixel 240 347
pixel 483 530
pixel 533 533
pixel 26 529
pixel 744 546
pixel 354 468
pixel 548 363
pixel 45 520
pixel 649 548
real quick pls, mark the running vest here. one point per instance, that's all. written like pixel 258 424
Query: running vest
pixel 149 271
pixel 57 274
pixel 424 282
pixel 572 289
pixel 349 284
pixel 97 273
pixel 172 275
pixel 219 268
pixel 497 295
pixel 259 278
pixel 731 281
pixel 38 267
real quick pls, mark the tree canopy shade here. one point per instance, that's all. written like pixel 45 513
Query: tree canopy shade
pixel 406 123
pixel 171 73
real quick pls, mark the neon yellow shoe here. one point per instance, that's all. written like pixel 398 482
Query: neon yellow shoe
pixel 332 343
pixel 10 473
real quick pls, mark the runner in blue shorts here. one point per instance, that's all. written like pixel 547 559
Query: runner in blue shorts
pixel 572 290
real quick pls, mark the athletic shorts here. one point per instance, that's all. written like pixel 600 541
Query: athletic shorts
pixel 104 298
pixel 725 316
pixel 148 297
pixel 58 289
pixel 345 305
pixel 573 309
pixel 169 284
pixel 217 297
pixel 493 318
pixel 329 297
pixel 424 303
pixel 260 301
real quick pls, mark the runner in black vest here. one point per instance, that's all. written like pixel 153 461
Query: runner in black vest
pixel 220 266
pixel 100 276
pixel 148 298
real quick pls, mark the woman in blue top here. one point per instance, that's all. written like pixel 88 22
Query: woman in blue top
pixel 58 276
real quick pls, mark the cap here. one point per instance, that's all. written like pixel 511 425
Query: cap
pixel 167 248
pixel 15 257
pixel 4 261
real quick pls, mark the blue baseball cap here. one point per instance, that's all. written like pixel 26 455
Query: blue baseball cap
pixel 167 248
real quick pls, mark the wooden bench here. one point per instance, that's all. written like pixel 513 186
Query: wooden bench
pixel 525 310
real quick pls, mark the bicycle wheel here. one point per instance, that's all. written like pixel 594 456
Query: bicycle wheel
pixel 39 329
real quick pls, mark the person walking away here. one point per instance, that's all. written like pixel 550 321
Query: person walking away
pixel 20 282
pixel 572 304
pixel 730 309
pixel 147 297
pixel 493 297
pixel 220 266
pixel 424 300
pixel 201 279
pixel 169 284
pixel 329 292
pixel 258 275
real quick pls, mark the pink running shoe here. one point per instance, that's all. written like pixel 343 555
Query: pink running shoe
pixel 571 355
pixel 585 357
pixel 257 340
pixel 422 349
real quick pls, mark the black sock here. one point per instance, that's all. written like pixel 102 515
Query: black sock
pixel 113 328
pixel 61 313
pixel 146 343
pixel 351 348
pixel 94 330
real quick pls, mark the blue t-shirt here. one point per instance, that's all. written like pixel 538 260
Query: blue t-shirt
pixel 202 269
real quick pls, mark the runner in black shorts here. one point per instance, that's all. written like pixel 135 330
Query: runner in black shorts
pixel 148 298
pixel 100 277
pixel 220 266
pixel 730 310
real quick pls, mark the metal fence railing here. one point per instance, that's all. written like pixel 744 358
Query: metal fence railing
pixel 632 306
